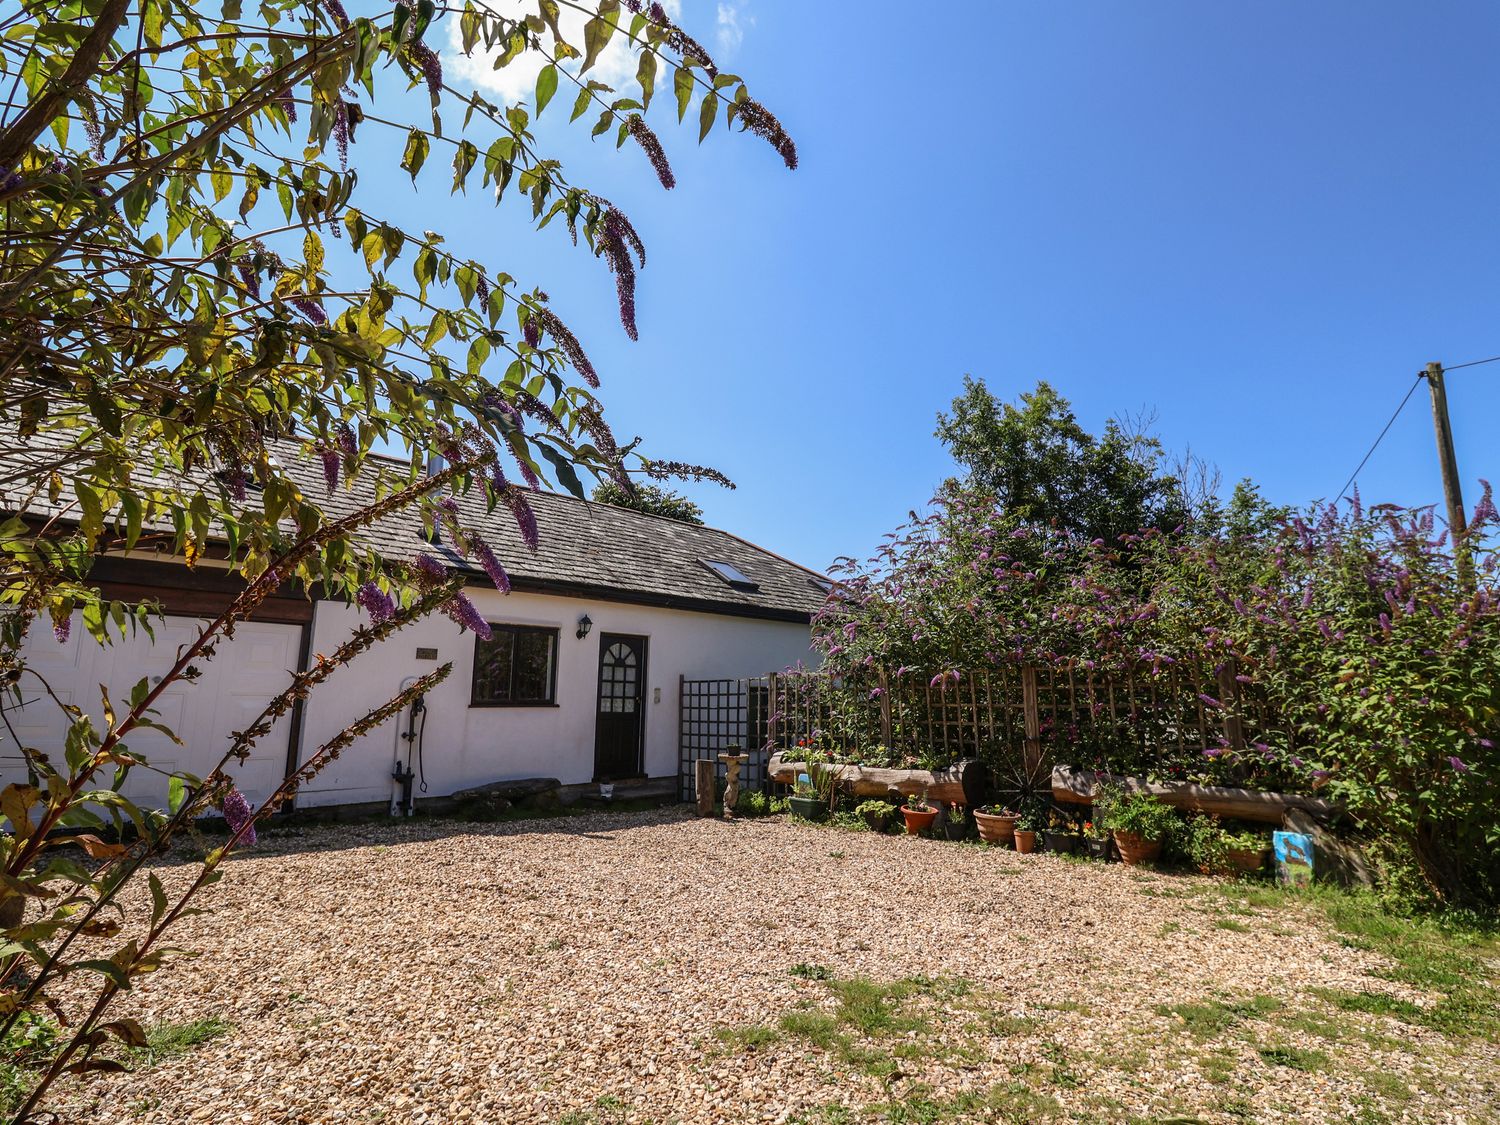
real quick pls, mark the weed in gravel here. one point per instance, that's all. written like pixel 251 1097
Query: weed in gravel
pixel 1318 1026
pixel 166 1040
pixel 1372 1003
pixel 818 1028
pixel 1009 1102
pixel 1218 1066
pixel 1391 1088
pixel 810 972
pixel 1295 1058
pixel 750 1037
pixel 1214 1017
pixel 1231 925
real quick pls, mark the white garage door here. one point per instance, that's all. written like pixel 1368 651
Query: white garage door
pixel 235 685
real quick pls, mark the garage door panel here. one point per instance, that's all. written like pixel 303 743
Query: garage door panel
pixel 231 689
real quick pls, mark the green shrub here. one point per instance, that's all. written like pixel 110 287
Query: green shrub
pixel 753 804
pixel 1141 815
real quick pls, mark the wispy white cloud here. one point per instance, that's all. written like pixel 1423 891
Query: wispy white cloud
pixel 615 66
pixel 730 33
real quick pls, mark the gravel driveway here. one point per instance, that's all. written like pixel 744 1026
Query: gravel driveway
pixel 653 967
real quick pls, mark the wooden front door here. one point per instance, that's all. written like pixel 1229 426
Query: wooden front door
pixel 620 719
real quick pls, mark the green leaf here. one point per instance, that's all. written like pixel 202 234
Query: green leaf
pixel 682 85
pixel 546 86
pixel 581 103
pixel 596 36
pixel 646 75
pixel 176 793
pixel 415 156
pixel 706 113
pixel 563 469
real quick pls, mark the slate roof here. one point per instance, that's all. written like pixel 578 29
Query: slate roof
pixel 586 550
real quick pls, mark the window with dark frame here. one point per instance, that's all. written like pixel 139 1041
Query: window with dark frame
pixel 516 667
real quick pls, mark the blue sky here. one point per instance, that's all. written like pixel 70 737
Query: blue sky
pixel 1258 220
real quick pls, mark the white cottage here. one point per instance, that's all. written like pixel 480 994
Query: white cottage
pixel 579 680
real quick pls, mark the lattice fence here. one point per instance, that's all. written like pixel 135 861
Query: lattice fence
pixel 715 715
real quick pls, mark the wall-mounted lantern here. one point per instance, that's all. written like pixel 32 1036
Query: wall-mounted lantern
pixel 584 625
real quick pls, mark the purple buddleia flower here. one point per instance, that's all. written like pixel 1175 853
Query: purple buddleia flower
pixel 10 179
pixel 348 444
pixel 335 9
pixel 331 461
pixel 616 254
pixel 430 569
pixel 62 628
pixel 341 130
pixel 531 331
pixel 376 602
pixel 464 613
pixel 92 131
pixel 1458 764
pixel 237 814
pixel 310 309
pixel 760 121
pixel 528 474
pixel 248 277
pixel 491 565
pixel 502 405
pixel 1484 511
pixel 525 518
pixel 432 68
pixel 1210 700
pixel 481 290
pixel 568 343
pixel 236 480
pixel 651 145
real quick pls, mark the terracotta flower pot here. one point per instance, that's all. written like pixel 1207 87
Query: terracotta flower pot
pixel 1025 840
pixel 1135 849
pixel 1246 861
pixel 918 820
pixel 995 828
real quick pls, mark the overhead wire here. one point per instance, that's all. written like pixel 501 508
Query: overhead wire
pixel 1363 461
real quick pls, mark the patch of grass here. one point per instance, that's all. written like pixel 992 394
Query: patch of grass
pixel 167 1040
pixel 1218 1066
pixel 818 1028
pixel 1391 1087
pixel 1318 1026
pixel 1294 1058
pixel 1007 1102
pixel 1214 1017
pixel 1231 925
pixel 810 972
pixel 750 1037
pixel 1371 1003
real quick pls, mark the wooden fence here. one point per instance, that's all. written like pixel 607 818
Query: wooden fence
pixel 1021 720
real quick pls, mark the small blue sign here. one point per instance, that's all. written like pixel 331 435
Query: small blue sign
pixel 1294 858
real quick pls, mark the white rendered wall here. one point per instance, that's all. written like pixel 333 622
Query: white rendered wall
pixel 467 746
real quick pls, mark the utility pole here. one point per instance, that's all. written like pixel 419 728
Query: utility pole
pixel 1458 520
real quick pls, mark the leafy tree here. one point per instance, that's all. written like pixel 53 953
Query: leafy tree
pixel 1047 470
pixel 194 292
pixel 652 499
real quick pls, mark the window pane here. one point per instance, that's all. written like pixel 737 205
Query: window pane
pixel 492 667
pixel 533 667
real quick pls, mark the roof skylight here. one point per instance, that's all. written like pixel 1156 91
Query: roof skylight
pixel 730 573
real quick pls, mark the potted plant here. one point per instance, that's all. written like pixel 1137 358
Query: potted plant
pixel 1140 823
pixel 1059 836
pixel 955 823
pixel 1245 852
pixel 997 824
pixel 816 790
pixel 875 814
pixel 1096 841
pixel 1028 824
pixel 919 814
